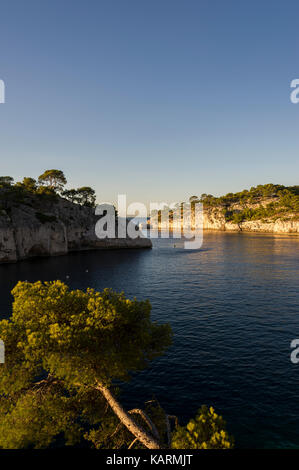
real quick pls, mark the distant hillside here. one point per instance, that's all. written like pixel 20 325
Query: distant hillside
pixel 265 208
pixel 264 202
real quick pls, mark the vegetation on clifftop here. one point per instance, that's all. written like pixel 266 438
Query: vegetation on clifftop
pixel 49 186
pixel 268 201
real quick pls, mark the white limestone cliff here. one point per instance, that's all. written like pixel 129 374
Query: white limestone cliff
pixel 52 229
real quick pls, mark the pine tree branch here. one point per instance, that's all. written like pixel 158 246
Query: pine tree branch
pixel 132 443
pixel 149 441
pixel 148 421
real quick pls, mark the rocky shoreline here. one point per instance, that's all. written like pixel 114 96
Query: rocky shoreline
pixel 215 220
pixel 54 229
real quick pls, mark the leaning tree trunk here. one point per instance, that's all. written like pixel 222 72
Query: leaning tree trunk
pixel 144 437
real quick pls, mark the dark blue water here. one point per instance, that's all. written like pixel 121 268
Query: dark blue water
pixel 233 307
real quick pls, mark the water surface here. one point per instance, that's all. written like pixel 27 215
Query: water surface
pixel 233 307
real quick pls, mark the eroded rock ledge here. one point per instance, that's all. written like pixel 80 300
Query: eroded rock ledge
pixel 215 220
pixel 52 229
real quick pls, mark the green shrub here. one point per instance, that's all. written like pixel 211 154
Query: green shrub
pixel 206 431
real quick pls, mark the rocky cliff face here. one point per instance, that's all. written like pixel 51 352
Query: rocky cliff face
pixel 214 219
pixel 54 228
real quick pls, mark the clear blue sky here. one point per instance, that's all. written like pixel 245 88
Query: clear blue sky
pixel 159 99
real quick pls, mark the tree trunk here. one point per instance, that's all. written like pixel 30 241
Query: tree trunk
pixel 147 420
pixel 144 437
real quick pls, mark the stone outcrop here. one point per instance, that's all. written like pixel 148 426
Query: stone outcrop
pixel 214 219
pixel 52 228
